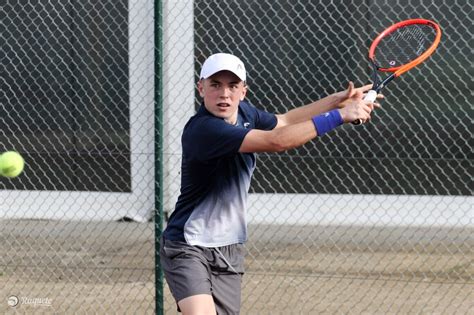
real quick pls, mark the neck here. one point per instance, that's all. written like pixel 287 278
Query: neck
pixel 233 119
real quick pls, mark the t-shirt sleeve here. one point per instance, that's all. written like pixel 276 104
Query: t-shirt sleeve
pixel 209 138
pixel 261 119
pixel 265 120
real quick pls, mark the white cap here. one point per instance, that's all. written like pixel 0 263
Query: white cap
pixel 219 62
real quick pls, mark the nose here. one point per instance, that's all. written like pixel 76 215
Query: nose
pixel 225 92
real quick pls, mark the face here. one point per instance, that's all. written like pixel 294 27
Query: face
pixel 222 93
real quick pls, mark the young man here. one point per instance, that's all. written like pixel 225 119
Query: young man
pixel 202 246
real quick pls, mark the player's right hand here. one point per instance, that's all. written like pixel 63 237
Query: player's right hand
pixel 358 109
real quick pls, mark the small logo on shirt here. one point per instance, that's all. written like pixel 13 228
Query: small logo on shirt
pixel 246 125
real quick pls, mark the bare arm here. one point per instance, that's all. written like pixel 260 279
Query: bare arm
pixel 290 134
pixel 295 135
pixel 330 102
pixel 277 140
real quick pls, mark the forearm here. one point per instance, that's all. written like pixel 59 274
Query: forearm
pixel 305 112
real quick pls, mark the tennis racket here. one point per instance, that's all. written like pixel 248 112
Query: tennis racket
pixel 400 48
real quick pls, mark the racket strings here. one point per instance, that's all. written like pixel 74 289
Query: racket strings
pixel 404 45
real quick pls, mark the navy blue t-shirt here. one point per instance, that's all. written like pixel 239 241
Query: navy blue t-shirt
pixel 215 178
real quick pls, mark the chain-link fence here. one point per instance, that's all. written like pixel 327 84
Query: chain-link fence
pixel 77 101
pixel 370 219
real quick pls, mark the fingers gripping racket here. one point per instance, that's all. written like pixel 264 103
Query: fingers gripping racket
pixel 399 48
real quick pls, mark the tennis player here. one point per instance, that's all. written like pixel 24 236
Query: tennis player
pixel 202 252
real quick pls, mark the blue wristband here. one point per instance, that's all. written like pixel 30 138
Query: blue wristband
pixel 327 121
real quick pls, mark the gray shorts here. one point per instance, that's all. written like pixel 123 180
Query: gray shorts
pixel 191 270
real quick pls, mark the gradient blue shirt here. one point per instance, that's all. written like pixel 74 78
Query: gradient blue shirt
pixel 215 178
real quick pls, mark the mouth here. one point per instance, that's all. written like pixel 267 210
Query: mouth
pixel 223 105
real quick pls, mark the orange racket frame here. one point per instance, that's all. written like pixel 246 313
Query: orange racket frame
pixel 404 68
pixel 397 71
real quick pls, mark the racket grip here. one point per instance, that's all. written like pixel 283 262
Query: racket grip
pixel 370 96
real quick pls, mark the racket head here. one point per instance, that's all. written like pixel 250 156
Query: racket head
pixel 404 45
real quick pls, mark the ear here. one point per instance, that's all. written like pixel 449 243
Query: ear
pixel 200 87
pixel 244 92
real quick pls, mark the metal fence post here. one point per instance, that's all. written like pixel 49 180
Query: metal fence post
pixel 158 152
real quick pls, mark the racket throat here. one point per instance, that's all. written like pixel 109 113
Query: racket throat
pixel 379 86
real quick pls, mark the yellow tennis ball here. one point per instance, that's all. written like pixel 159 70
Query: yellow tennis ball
pixel 11 164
